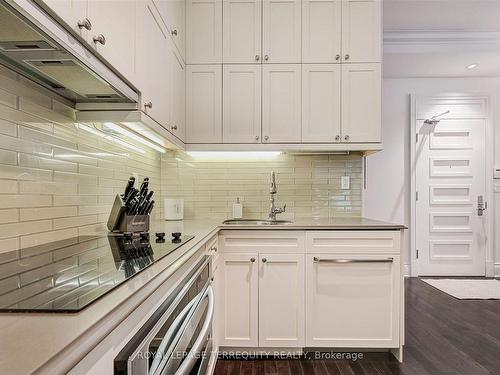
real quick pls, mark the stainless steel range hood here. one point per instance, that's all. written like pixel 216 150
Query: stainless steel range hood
pixel 36 46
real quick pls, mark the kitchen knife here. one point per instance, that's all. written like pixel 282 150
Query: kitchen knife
pixel 144 186
pixel 130 197
pixel 150 208
pixel 130 185
pixel 144 202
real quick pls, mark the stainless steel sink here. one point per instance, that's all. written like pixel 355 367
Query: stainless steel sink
pixel 255 222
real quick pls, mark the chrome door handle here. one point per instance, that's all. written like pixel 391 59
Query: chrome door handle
pixel 266 57
pixel 346 57
pixel 257 137
pixel 337 138
pixel 174 32
pixel 266 138
pixel 252 260
pixel 346 138
pixel 173 127
pixel 148 105
pixel 84 24
pixel 481 205
pixel 386 260
pixel 264 260
pixel 257 57
pixel 337 57
pixel 99 39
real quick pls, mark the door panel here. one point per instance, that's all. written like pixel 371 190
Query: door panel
pixel 321 103
pixel 352 304
pixel 242 103
pixel 204 31
pixel 281 31
pixel 450 176
pixel 281 300
pixel 281 103
pixel 361 103
pixel 321 31
pixel 362 31
pixel 204 104
pixel 238 308
pixel 173 13
pixel 242 31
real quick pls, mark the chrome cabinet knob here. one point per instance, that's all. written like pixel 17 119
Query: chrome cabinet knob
pixel 252 260
pixel 148 105
pixel 266 57
pixel 257 137
pixel 266 138
pixel 337 57
pixel 173 127
pixel 347 57
pixel 264 260
pixel 257 57
pixel 337 138
pixel 99 39
pixel 174 32
pixel 84 24
pixel 346 138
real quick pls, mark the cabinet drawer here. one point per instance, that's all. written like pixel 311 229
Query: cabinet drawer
pixel 353 242
pixel 268 241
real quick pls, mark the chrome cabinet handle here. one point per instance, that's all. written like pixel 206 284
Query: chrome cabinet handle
pixel 148 105
pixel 257 137
pixel 257 57
pixel 252 260
pixel 386 260
pixel 84 24
pixel 266 138
pixel 337 57
pixel 99 39
pixel 174 32
pixel 264 260
pixel 337 138
pixel 266 57
pixel 346 137
pixel 173 127
pixel 347 56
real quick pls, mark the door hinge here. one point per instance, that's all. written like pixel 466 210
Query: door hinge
pixel 417 253
pixel 416 195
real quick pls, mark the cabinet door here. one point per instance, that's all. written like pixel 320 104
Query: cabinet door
pixel 204 104
pixel 361 31
pixel 177 94
pixel 118 45
pixel 242 31
pixel 281 300
pixel 70 11
pixel 321 31
pixel 238 307
pixel 321 103
pixel 352 304
pixel 281 103
pixel 204 31
pixel 361 103
pixel 241 92
pixel 152 55
pixel 173 13
pixel 281 31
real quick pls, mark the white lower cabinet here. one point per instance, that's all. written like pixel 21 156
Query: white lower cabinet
pixel 238 300
pixel 281 300
pixel 352 301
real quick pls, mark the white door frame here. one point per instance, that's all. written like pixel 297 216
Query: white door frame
pixel 489 154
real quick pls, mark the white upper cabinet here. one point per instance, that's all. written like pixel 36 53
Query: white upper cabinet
pixel 281 300
pixel 204 31
pixel 242 103
pixel 177 95
pixel 242 31
pixel 321 31
pixel 281 97
pixel 204 104
pixel 281 39
pixel 361 31
pixel 173 13
pixel 113 32
pixel 321 103
pixel 361 103
pixel 74 13
pixel 153 55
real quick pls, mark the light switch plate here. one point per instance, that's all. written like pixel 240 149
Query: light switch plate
pixel 345 182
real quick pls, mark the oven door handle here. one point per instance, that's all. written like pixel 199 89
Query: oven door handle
pixel 169 335
pixel 191 358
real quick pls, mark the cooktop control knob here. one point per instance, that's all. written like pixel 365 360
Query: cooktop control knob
pixel 160 237
pixel 127 236
pixel 177 236
pixel 144 236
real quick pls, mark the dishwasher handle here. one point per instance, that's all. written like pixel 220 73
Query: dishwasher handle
pixel 341 261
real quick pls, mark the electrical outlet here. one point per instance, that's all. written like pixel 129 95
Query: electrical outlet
pixel 345 182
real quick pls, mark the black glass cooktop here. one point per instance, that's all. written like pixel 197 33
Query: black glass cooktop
pixel 68 275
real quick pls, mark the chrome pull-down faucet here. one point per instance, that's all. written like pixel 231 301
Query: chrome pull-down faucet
pixel 272 191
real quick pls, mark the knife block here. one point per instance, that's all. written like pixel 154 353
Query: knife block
pixel 120 221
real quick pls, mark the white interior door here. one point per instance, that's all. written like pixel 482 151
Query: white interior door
pixel 450 178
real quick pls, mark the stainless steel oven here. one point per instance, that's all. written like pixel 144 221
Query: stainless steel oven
pixel 177 339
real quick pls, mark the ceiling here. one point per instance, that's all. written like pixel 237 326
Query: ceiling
pixel 440 38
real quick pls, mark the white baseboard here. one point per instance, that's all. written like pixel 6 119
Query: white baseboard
pixel 496 271
pixel 406 270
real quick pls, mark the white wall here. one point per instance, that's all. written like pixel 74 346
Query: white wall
pixel 388 176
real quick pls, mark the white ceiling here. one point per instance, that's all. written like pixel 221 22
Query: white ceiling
pixel 439 38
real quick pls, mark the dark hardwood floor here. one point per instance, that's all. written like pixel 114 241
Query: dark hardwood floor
pixel 444 336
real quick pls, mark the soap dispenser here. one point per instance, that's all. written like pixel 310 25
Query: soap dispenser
pixel 237 209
